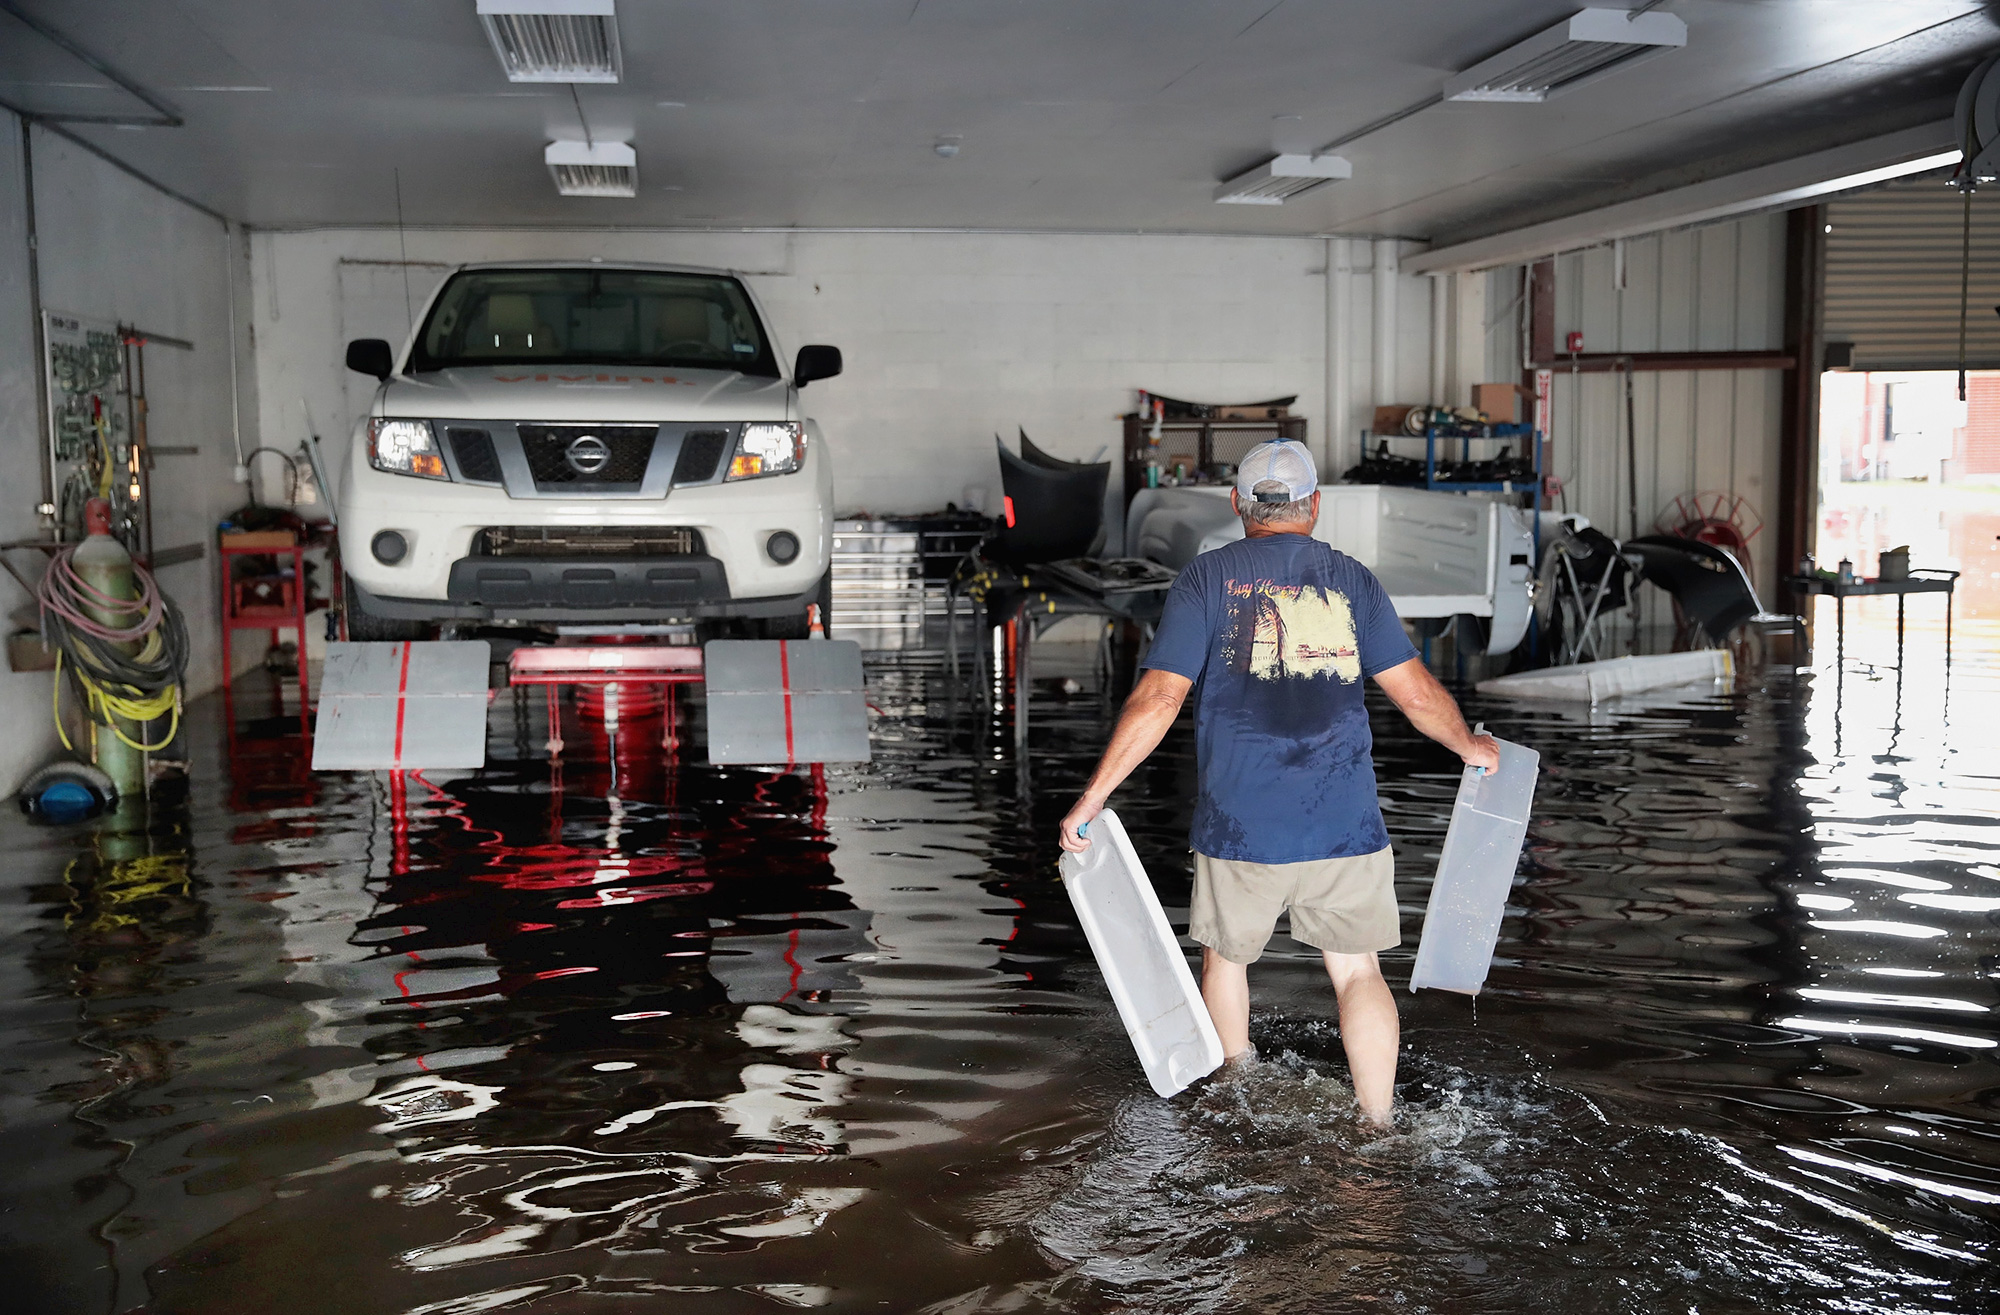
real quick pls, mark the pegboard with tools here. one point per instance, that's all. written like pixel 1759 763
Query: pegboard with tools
pixel 96 438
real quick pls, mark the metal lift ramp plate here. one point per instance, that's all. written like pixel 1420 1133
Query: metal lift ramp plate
pixel 402 707
pixel 1141 959
pixel 785 701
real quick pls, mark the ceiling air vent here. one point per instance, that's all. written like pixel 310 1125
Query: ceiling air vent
pixel 1580 49
pixel 593 168
pixel 553 40
pixel 1281 179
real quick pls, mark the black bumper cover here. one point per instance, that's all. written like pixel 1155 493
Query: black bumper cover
pixel 544 589
pixel 566 582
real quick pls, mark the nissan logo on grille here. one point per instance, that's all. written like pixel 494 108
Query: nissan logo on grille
pixel 587 454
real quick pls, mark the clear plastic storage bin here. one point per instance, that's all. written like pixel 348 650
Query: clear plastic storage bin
pixel 1476 870
pixel 1141 959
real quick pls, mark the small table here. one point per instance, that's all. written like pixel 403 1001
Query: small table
pixel 288 612
pixel 1918 582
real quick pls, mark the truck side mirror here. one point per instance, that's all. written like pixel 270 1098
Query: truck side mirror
pixel 815 362
pixel 372 356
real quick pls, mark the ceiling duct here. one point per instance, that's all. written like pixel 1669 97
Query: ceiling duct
pixel 1578 50
pixel 1281 179
pixel 593 168
pixel 553 40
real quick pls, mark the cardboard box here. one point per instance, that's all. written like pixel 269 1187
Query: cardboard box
pixel 1252 412
pixel 1500 402
pixel 1389 419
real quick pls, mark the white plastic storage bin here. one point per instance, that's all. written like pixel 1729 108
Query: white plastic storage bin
pixel 1482 848
pixel 1141 959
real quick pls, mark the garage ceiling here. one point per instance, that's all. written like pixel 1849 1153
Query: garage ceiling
pixel 1069 115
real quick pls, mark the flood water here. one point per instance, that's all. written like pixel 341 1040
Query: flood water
pixel 717 1040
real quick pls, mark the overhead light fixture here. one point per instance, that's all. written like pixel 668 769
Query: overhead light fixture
pixel 1279 180
pixel 553 40
pixel 593 168
pixel 1580 49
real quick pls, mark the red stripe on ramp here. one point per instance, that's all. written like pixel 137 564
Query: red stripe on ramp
pixel 785 679
pixel 402 701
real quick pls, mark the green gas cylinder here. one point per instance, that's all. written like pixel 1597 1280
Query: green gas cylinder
pixel 103 563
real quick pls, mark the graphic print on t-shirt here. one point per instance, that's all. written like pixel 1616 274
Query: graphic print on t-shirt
pixel 1279 630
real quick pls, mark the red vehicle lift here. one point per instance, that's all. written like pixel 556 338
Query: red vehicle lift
pixel 611 668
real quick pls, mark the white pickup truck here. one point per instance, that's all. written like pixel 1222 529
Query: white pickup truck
pixel 1440 556
pixel 585 446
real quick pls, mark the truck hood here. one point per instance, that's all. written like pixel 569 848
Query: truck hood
pixel 589 394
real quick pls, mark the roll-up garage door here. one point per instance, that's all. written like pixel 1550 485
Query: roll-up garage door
pixel 1892 277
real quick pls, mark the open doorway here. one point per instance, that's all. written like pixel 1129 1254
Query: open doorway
pixel 1904 462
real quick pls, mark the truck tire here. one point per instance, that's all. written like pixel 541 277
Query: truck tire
pixel 364 626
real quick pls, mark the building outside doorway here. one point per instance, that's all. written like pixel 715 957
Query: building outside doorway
pixel 1904 462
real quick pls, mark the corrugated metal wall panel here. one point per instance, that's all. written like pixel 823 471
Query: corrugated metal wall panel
pixel 1719 288
pixel 1892 277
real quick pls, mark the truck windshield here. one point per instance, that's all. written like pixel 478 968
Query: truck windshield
pixel 623 317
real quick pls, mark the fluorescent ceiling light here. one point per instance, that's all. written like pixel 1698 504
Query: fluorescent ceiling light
pixel 1580 49
pixel 593 168
pixel 1281 179
pixel 553 40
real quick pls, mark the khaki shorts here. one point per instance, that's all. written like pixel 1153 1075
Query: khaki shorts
pixel 1346 905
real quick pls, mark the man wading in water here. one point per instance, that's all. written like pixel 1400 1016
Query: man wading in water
pixel 1274 635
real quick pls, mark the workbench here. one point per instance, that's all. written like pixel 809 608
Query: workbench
pixel 1917 582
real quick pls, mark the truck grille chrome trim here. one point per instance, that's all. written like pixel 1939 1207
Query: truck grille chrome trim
pixel 536 459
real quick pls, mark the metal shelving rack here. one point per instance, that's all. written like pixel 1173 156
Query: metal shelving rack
pixel 1205 446
pixel 889 572
pixel 1432 438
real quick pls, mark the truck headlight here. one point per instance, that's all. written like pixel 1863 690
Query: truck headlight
pixel 768 449
pixel 405 447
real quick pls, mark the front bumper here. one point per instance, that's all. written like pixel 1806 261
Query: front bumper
pixel 444 575
pixel 563 590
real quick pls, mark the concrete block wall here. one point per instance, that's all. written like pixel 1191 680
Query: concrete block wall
pixel 949 337
pixel 114 248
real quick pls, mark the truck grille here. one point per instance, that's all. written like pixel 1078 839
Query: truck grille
pixel 548 448
pixel 586 541
pixel 701 453
pixel 476 459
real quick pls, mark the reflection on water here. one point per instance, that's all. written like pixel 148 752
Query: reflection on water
pixel 629 1034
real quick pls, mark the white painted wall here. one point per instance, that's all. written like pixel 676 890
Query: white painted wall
pixel 949 338
pixel 113 248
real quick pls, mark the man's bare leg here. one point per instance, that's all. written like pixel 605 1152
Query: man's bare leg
pixel 1369 1029
pixel 1225 989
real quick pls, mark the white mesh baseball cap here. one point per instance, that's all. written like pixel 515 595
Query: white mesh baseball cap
pixel 1279 471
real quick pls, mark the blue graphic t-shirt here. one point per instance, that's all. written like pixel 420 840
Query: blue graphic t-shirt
pixel 1279 633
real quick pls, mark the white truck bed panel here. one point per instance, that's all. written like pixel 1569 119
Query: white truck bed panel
pixel 1438 554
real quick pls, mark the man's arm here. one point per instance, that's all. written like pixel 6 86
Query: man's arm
pixel 1156 700
pixel 1432 710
